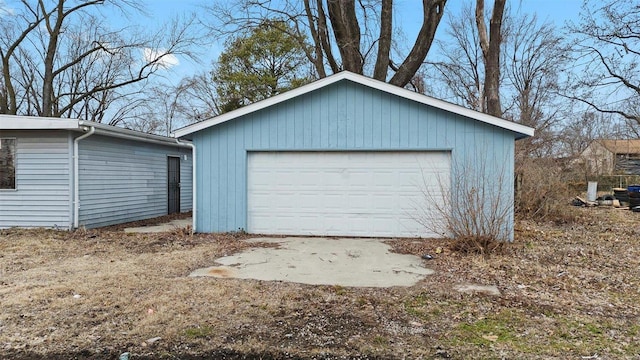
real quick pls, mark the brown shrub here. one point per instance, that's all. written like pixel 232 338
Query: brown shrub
pixel 542 191
pixel 476 212
pixel 480 245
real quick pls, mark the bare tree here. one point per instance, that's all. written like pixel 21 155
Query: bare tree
pixel 579 132
pixel 343 24
pixel 607 55
pixel 461 66
pixel 533 54
pixel 200 100
pixel 57 60
pixel 164 108
pixel 470 67
pixel 490 43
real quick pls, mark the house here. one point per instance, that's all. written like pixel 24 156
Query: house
pixel 345 156
pixel 612 157
pixel 66 173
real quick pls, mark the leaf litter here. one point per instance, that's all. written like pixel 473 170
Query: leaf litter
pixel 567 291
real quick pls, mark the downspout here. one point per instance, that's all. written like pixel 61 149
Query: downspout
pixel 76 174
pixel 194 192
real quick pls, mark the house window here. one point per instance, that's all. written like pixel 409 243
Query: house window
pixel 7 164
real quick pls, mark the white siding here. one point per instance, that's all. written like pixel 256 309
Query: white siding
pixel 42 194
pixel 122 180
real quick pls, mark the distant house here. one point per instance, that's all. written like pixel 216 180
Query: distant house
pixel 67 173
pixel 609 157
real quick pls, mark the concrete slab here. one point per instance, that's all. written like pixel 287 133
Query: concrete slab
pixel 475 288
pixel 171 225
pixel 321 261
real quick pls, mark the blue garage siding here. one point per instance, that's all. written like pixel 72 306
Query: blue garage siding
pixel 343 116
pixel 123 180
pixel 42 194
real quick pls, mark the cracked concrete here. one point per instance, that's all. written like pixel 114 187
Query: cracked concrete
pixel 320 261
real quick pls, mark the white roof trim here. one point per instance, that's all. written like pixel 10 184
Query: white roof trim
pixel 18 122
pixel 363 80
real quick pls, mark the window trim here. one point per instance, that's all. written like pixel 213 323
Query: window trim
pixel 15 164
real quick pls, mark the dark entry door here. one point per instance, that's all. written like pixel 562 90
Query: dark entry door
pixel 174 184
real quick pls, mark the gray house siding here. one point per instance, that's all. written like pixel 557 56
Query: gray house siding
pixel 42 194
pixel 343 116
pixel 124 180
pixel 120 180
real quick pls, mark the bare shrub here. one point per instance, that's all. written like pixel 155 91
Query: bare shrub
pixel 542 191
pixel 481 245
pixel 476 209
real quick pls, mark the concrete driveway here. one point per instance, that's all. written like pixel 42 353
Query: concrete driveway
pixel 321 261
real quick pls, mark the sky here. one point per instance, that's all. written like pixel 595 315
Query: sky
pixel 408 16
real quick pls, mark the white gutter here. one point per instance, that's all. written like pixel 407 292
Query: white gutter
pixel 127 134
pixel 194 192
pixel 76 174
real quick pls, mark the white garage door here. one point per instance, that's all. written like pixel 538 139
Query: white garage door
pixel 380 194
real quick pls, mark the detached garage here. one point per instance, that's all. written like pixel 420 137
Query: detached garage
pixel 345 156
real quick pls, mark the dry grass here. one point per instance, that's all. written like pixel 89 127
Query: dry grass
pixel 567 291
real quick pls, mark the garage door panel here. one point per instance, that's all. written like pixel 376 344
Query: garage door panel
pixel 359 202
pixel 341 193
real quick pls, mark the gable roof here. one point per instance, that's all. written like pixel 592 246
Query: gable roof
pixel 521 130
pixel 28 123
pixel 621 146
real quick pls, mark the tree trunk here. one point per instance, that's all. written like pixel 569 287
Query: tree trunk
pixel 490 44
pixel 384 41
pixel 346 29
pixel 318 58
pixel 52 47
pixel 432 14
pixel 323 33
pixel 8 97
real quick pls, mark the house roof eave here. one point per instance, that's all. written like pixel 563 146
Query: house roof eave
pixel 30 123
pixel 19 122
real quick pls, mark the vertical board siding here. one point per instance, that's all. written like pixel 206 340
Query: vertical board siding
pixel 42 194
pixel 342 116
pixel 123 180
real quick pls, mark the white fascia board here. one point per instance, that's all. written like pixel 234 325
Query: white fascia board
pixel 17 122
pixel 258 105
pixel 447 106
pixel 525 131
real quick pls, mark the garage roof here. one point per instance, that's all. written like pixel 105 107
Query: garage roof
pixel 521 130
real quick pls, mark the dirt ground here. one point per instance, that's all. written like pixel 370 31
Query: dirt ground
pixel 568 291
